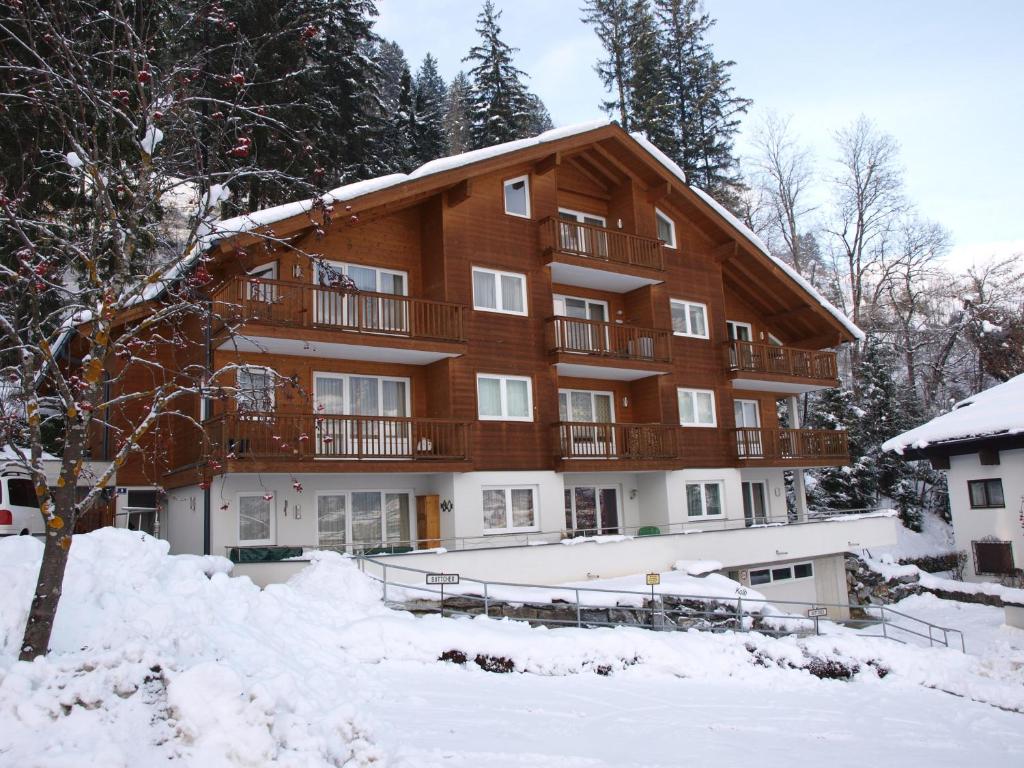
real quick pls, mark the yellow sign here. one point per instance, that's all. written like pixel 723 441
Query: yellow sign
pixel 653 579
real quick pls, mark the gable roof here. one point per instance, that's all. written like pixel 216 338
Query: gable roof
pixel 992 413
pixel 437 174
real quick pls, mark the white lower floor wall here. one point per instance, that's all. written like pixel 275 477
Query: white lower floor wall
pixel 801 581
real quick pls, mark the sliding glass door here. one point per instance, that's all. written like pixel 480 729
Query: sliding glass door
pixel 356 521
pixel 342 398
pixel 591 415
pixel 360 311
pixel 592 510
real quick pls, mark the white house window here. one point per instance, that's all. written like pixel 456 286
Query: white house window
pixel 782 573
pixel 697 408
pixel 255 390
pixel 666 228
pixel 510 509
pixel 255 519
pixel 495 291
pixel 517 196
pixel 504 398
pixel 704 499
pixel 689 319
pixel 363 520
pixel 986 494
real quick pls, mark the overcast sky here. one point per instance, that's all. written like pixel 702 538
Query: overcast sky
pixel 945 78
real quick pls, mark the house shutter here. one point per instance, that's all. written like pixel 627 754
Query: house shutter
pixel 993 557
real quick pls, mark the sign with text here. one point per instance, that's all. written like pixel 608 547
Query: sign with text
pixel 442 578
pixel 653 579
pixel 814 613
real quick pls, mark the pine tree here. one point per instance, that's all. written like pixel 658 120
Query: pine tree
pixel 429 137
pixel 457 120
pixel 611 22
pixel 394 141
pixel 499 104
pixel 538 119
pixel 650 106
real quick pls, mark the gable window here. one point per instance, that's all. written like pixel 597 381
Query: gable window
pixel 704 499
pixel 510 509
pixel 666 228
pixel 689 318
pixel 255 390
pixel 986 494
pixel 496 291
pixel 517 196
pixel 255 519
pixel 696 407
pixel 504 398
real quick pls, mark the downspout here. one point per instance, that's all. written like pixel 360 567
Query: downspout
pixel 205 402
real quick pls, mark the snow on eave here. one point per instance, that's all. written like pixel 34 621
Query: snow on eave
pixel 795 276
pixel 994 412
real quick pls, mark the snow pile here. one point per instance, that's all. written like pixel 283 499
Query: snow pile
pixel 996 411
pixel 697 567
pixel 935 539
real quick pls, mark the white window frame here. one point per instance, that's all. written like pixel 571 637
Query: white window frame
pixel 704 515
pixel 270 265
pixel 571 490
pixel 347 406
pixel 592 392
pixel 559 298
pixel 694 392
pixel 343 267
pixel 238 519
pixel 350 544
pixel 271 389
pixel 686 304
pixel 503 380
pixel 741 401
pixel 509 528
pixel 580 215
pixel 504 198
pixel 729 324
pixel 671 225
pixel 770 570
pixel 497 274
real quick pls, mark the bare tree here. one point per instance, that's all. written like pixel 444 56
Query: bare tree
pixel 104 279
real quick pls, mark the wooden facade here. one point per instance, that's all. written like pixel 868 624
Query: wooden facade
pixel 429 234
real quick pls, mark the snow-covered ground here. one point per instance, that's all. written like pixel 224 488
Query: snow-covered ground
pixel 935 538
pixel 167 660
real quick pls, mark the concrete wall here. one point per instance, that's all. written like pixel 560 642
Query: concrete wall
pixel 975 524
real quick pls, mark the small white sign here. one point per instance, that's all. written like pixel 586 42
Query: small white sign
pixel 813 613
pixel 442 578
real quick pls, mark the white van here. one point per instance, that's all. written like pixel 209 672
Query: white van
pixel 19 507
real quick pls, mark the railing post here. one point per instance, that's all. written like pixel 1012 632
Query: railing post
pixel 487 602
pixel 579 616
pixel 384 578
pixel 739 613
pixel 885 632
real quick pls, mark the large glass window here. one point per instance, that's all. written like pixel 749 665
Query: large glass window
pixel 504 398
pixel 986 493
pixel 360 520
pixel 255 519
pixel 255 390
pixel 496 291
pixel 517 196
pixel 704 499
pixel 697 407
pixel 509 509
pixel 689 318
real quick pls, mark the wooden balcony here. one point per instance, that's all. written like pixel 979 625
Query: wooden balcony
pixel 267 438
pixel 597 257
pixel 777 368
pixel 792 447
pixel 599 442
pixel 277 309
pixel 595 349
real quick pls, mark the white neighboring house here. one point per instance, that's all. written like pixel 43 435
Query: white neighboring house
pixel 980 446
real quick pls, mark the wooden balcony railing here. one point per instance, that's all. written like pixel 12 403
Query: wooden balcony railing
pixel 590 440
pixel 321 436
pixel 770 359
pixel 590 241
pixel 623 342
pixel 307 305
pixel 823 444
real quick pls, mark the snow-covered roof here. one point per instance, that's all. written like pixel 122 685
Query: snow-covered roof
pixel 996 411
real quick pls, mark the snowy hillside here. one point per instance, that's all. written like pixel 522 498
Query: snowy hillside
pixel 161 658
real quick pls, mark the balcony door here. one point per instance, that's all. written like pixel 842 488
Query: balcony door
pixel 740 355
pixel 748 424
pixel 582 337
pixel 360 311
pixel 755 504
pixel 576 233
pixel 361 416
pixel 592 510
pixel 590 433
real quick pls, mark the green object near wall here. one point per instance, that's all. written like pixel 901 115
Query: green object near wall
pixel 262 554
pixel 649 530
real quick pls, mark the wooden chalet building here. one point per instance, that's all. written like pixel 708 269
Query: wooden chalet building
pixel 550 338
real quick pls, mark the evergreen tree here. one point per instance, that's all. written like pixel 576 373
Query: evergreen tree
pixel 611 20
pixel 650 106
pixel 538 119
pixel 499 104
pixel 394 139
pixel 429 138
pixel 457 120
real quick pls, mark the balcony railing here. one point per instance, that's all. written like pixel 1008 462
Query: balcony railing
pixel 608 340
pixel 307 305
pixel 590 241
pixel 748 357
pixel 820 444
pixel 591 440
pixel 323 436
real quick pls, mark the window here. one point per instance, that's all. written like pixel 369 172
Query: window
pixel 517 196
pixel 697 408
pixel 255 519
pixel 504 398
pixel 986 493
pixel 782 573
pixel 361 310
pixel 704 499
pixel 510 509
pixel 255 390
pixel 364 519
pixel 259 291
pixel 20 493
pixel 689 319
pixel 666 228
pixel 739 331
pixel 993 558
pixel 495 291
